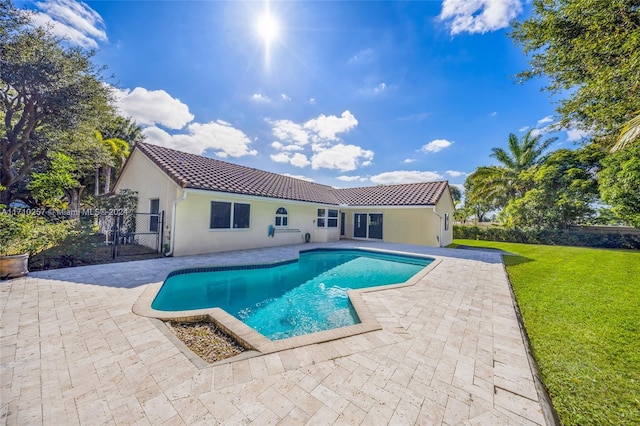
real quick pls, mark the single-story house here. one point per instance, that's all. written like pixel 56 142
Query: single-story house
pixel 212 206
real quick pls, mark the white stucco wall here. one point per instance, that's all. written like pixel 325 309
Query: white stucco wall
pixel 409 224
pixel 191 233
pixel 193 236
pixel 149 181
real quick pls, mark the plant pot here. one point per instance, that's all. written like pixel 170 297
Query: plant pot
pixel 14 266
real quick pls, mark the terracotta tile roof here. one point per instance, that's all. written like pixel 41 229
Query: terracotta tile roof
pixel 197 172
pixel 410 194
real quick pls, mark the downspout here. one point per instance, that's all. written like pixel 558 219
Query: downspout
pixel 440 225
pixel 173 221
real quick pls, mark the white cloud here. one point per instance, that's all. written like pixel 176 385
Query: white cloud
pixel 405 176
pixel 288 131
pixel 297 159
pixel 219 136
pixel 494 114
pixel 538 131
pixel 455 173
pixel 312 101
pixel 326 149
pixel 479 16
pixel 327 127
pixel 523 129
pixel 409 160
pixel 151 107
pixel 574 134
pixel 341 157
pixel 285 97
pixel 436 145
pixel 259 97
pixel 281 147
pixel 301 177
pixel 73 20
pixel 352 178
pixel 545 120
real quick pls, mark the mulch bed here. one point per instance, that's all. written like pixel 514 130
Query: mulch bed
pixel 206 340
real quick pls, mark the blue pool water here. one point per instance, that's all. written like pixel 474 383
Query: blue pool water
pixel 289 298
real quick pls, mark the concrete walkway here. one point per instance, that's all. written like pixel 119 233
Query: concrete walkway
pixel 450 352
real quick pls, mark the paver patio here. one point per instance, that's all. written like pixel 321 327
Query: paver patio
pixel 450 351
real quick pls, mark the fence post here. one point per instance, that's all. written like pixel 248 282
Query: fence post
pixel 114 248
pixel 160 233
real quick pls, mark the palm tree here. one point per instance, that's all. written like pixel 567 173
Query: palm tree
pixel 118 151
pixel 497 185
pixel 630 132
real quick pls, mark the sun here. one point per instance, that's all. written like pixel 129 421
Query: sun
pixel 267 27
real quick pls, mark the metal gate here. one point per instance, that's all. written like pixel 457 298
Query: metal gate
pixel 133 234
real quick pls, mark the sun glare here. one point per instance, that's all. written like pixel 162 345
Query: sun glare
pixel 267 27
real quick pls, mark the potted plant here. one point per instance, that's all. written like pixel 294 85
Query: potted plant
pixel 22 235
pixel 15 240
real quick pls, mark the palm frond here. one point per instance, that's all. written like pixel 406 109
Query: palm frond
pixel 630 133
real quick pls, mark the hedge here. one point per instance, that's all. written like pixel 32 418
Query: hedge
pixel 559 237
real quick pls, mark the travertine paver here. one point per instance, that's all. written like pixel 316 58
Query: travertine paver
pixel 449 352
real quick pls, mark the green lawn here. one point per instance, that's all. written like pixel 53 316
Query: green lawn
pixel 581 309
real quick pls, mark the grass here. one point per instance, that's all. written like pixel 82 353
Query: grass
pixel 581 309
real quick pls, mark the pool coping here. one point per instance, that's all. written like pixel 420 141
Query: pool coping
pixel 256 343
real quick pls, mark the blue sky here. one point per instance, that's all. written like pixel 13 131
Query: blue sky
pixel 346 94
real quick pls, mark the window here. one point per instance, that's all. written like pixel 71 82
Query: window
pixel 241 213
pixel 154 209
pixel 327 218
pixel 282 219
pixel 223 212
pixel 321 218
pixel 446 221
pixel 332 222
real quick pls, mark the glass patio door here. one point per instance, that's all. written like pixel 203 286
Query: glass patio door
pixel 367 225
pixel 375 226
pixel 360 225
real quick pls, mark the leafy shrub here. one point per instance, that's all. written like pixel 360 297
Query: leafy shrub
pixel 559 237
pixel 26 233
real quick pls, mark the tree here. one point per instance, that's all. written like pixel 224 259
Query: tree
pixel 118 150
pixel 479 197
pixel 50 188
pixel 494 186
pixel 620 183
pixel 124 128
pixel 562 191
pixel 47 92
pixel 456 194
pixel 590 52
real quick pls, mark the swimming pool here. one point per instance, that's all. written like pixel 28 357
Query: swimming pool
pixel 290 298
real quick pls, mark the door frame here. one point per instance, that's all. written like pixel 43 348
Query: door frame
pixel 367 225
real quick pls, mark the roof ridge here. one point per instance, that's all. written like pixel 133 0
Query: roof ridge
pixel 199 172
pixel 394 185
pixel 151 146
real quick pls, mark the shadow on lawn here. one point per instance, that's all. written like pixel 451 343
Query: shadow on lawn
pixel 514 259
pixel 509 259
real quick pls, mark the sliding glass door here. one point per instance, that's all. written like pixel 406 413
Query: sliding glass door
pixel 360 225
pixel 367 225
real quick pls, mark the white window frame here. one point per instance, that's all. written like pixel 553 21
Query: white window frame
pixel 231 216
pixel 284 218
pixel 323 218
